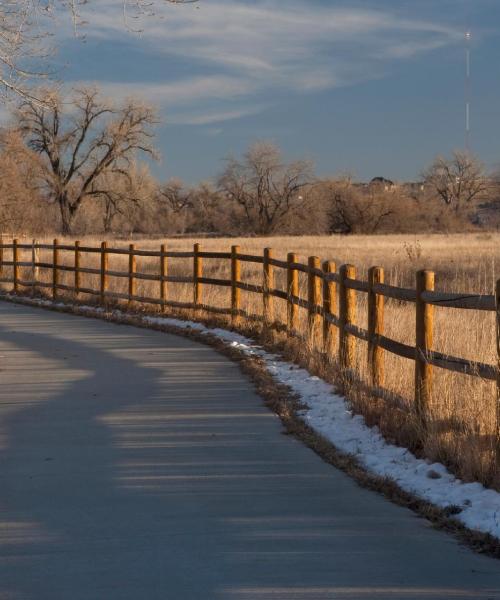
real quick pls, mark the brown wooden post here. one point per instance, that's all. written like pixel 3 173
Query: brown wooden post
pixel 163 273
pixel 1 254
pixel 104 269
pixel 15 266
pixel 77 282
pixel 347 316
pixel 197 274
pixel 375 327
pixel 55 270
pixel 424 340
pixel 313 299
pixel 330 332
pixel 35 258
pixel 235 290
pixel 132 270
pixel 497 416
pixel 268 285
pixel 292 291
pixel 35 270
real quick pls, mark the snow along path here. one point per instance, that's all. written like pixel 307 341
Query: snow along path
pixel 329 415
pixel 140 464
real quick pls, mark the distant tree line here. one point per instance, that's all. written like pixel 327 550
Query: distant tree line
pixel 75 165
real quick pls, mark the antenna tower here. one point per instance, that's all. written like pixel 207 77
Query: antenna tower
pixel 468 38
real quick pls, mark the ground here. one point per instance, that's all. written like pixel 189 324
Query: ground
pixel 140 464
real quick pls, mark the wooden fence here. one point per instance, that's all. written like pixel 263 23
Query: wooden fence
pixel 331 303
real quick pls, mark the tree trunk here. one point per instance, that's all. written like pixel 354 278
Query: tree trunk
pixel 67 215
pixel 108 216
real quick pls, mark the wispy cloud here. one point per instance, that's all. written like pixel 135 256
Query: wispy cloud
pixel 183 91
pixel 241 53
pixel 209 118
pixel 184 98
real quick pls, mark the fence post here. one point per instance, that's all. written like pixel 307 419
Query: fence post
pixel 77 269
pixel 347 316
pixel 268 285
pixel 292 291
pixel 497 417
pixel 313 298
pixel 235 290
pixel 35 258
pixel 329 309
pixel 1 254
pixel 197 274
pixel 163 273
pixel 375 327
pixel 35 270
pixel 104 268
pixel 15 264
pixel 424 340
pixel 132 269
pixel 55 270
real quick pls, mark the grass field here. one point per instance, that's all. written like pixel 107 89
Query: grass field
pixel 463 408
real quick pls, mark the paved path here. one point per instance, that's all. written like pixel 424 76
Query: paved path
pixel 136 465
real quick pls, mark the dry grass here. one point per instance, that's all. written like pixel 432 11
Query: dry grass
pixel 463 408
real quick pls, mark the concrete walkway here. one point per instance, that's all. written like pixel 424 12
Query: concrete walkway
pixel 136 465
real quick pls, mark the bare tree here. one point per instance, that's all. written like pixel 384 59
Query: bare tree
pixel 175 202
pixel 353 210
pixel 21 207
pixel 25 40
pixel 266 188
pixel 210 212
pixel 458 180
pixel 22 43
pixel 195 209
pixel 176 196
pixel 81 142
pixel 123 194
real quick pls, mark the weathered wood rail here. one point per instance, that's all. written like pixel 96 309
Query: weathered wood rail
pixel 331 303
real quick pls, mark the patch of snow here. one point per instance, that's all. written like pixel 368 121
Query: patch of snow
pixel 329 415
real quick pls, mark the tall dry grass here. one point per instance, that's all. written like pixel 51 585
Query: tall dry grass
pixel 462 423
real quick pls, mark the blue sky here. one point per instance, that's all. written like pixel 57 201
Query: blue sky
pixel 375 87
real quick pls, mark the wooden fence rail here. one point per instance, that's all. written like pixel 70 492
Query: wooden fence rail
pixel 331 303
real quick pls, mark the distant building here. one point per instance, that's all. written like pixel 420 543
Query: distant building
pixel 382 183
pixel 414 189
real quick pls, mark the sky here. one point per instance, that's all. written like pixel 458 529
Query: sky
pixel 372 87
